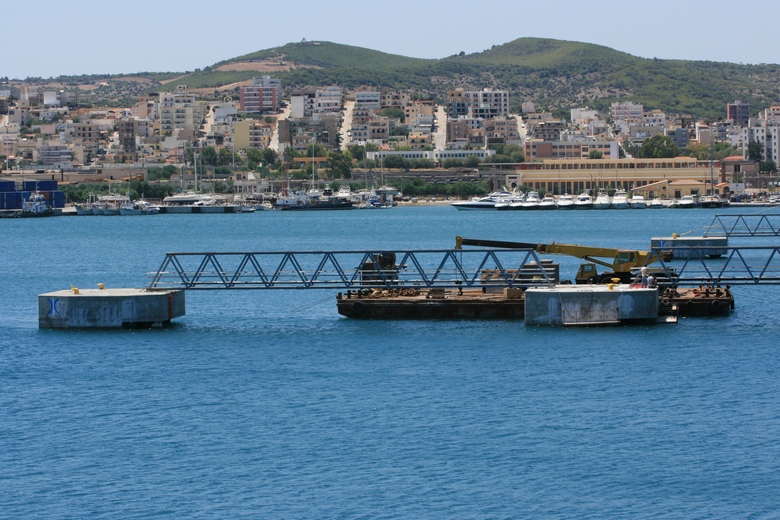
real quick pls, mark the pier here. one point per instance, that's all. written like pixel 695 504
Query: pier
pixel 446 283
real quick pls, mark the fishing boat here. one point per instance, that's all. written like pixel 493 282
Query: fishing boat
pixel 138 207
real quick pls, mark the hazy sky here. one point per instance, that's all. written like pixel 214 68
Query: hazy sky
pixel 54 37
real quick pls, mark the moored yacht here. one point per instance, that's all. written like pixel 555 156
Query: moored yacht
pixel 566 201
pixel 531 200
pixel 547 202
pixel 637 202
pixel 602 200
pixel 620 200
pixel 584 201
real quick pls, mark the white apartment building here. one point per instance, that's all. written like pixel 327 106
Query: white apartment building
pixel 327 101
pixel 766 134
pixel 368 100
pixel 628 111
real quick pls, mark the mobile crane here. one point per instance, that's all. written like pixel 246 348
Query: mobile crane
pixel 623 260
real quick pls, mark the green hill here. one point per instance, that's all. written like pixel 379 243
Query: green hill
pixel 553 73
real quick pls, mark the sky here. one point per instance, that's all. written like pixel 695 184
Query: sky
pixel 48 38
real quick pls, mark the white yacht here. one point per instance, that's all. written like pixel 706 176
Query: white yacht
pixel 547 202
pixel 620 200
pixel 566 201
pixel 687 201
pixel 584 201
pixel 531 200
pixel 637 202
pixel 602 200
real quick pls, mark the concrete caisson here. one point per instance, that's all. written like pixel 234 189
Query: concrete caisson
pixel 108 308
pixel 590 305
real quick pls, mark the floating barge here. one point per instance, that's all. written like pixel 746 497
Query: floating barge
pixel 565 305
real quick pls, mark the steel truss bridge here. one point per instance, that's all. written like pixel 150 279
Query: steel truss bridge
pixel 750 225
pixel 427 269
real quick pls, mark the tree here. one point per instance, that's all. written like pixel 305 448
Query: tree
pixel 209 156
pixel 253 155
pixel 400 130
pixel 659 147
pixel 595 154
pixel 357 152
pixel 269 156
pixel 395 161
pixel 472 161
pixel 393 112
pixel 340 165
pixel 767 166
pixel 755 151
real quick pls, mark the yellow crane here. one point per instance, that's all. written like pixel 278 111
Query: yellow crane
pixel 623 261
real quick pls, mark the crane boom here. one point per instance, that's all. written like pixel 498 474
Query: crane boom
pixel 621 261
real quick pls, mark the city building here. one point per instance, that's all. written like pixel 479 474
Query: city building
pixel 264 95
pixel 738 112
pixel 628 111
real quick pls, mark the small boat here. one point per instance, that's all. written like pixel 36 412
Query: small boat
pixel 566 201
pixel 547 202
pixel 264 206
pixel 584 201
pixel 602 200
pixel 620 200
pixel 637 202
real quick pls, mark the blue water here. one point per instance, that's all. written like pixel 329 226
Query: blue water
pixel 266 404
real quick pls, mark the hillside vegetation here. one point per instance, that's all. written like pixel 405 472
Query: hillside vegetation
pixel 552 73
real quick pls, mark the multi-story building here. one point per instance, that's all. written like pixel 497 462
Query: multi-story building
pixel 768 134
pixel 264 95
pixel 327 101
pixel 130 130
pixel 537 149
pixel 55 98
pixel 477 103
pixel 252 134
pixel 177 112
pixel 500 130
pixel 771 114
pixel 738 112
pixel 681 136
pixel 367 98
pixel 549 130
pixel 56 156
pixel 391 98
pixel 629 111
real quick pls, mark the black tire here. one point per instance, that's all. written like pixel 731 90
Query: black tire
pixel 358 309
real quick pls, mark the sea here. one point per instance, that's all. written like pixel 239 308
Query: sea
pixel 269 404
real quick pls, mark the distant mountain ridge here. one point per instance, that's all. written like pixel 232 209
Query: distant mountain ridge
pixel 555 74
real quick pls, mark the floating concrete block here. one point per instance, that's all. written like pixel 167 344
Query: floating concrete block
pixel 108 309
pixel 590 305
